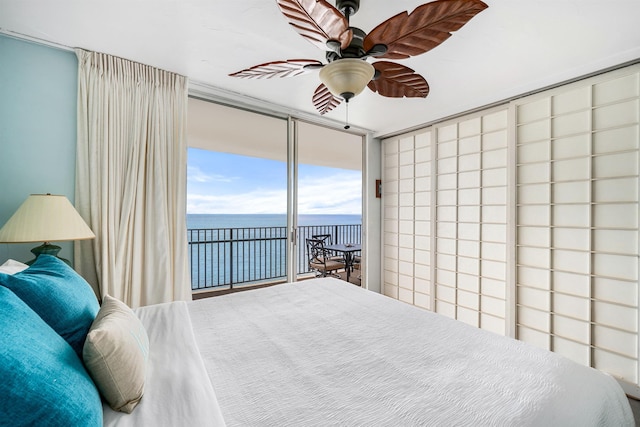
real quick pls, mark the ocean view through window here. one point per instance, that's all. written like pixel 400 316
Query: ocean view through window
pixel 237 221
pixel 249 248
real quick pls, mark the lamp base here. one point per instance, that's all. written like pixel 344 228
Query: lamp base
pixel 47 249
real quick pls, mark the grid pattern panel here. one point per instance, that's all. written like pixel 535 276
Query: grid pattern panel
pixel 406 185
pixel 407 218
pixel 390 199
pixel 471 230
pixel 422 221
pixel 577 223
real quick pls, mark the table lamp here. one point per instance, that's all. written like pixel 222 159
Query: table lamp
pixel 45 218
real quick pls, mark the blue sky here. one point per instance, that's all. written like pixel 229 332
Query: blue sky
pixel 220 183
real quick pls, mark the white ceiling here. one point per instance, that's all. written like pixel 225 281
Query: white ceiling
pixel 513 47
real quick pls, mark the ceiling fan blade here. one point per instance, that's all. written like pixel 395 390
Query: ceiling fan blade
pixel 325 101
pixel 426 27
pixel 288 68
pixel 317 21
pixel 398 81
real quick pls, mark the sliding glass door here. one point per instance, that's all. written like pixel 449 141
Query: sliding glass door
pixel 237 193
pixel 329 194
pixel 258 185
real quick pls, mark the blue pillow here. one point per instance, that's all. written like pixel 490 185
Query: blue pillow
pixel 42 380
pixel 59 295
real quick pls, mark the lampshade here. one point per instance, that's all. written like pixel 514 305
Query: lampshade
pixel 45 218
pixel 346 77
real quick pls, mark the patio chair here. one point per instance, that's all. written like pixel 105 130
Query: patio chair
pixel 320 260
pixel 327 239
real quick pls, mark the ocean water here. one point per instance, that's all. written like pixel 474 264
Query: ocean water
pixel 266 220
pixel 235 249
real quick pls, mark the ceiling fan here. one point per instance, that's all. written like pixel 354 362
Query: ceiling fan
pixel 347 71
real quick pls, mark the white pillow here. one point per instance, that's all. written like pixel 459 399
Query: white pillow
pixel 12 267
pixel 115 353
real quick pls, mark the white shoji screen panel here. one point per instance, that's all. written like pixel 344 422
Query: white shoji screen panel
pixel 422 221
pixel 406 186
pixel 577 222
pixel 390 220
pixel 471 220
pixel 407 218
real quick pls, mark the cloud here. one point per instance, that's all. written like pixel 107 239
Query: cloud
pixel 195 174
pixel 253 202
pixel 336 193
pixel 339 193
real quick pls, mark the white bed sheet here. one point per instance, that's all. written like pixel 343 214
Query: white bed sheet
pixel 177 389
pixel 323 352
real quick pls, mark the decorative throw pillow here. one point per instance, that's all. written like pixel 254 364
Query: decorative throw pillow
pixel 42 380
pixel 59 295
pixel 12 267
pixel 115 354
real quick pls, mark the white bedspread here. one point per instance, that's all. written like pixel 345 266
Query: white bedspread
pixel 323 352
pixel 177 389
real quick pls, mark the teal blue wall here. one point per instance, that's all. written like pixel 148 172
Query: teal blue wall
pixel 38 90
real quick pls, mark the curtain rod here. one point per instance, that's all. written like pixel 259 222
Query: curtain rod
pixel 35 40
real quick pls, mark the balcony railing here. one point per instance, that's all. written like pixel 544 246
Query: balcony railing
pixel 224 257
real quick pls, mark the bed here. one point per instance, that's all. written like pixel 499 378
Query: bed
pixel 319 352
pixel 324 352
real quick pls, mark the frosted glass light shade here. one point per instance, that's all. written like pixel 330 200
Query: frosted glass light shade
pixel 45 218
pixel 346 77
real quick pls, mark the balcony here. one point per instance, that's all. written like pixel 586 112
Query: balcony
pixel 222 258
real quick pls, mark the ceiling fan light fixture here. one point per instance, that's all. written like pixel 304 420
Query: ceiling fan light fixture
pixel 346 77
pixel 402 36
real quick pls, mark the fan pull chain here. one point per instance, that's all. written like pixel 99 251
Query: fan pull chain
pixel 346 125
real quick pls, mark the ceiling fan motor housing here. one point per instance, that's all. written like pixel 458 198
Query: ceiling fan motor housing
pixel 348 7
pixel 355 48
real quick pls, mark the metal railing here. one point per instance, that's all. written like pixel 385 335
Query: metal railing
pixel 224 257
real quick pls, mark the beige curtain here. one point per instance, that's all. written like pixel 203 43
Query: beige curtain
pixel 131 179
